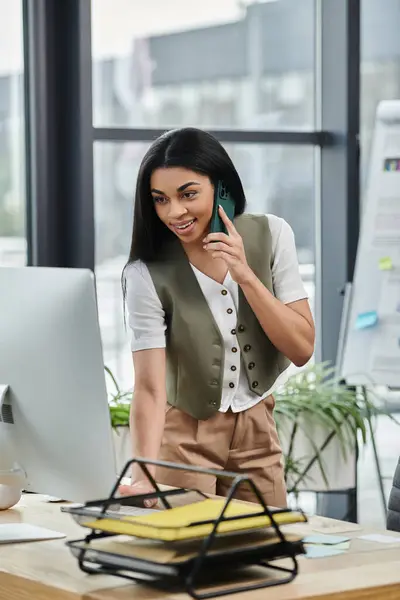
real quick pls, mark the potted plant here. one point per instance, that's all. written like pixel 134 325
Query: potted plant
pixel 320 423
pixel 119 404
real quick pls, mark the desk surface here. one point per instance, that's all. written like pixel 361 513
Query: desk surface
pixel 47 571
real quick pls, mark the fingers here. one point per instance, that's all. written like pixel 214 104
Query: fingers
pixel 221 247
pixel 228 258
pixel 227 222
pixel 218 237
pixel 137 489
pixel 150 503
pixel 125 490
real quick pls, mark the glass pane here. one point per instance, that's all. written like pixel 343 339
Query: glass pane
pixel 224 63
pixel 380 80
pixel 380 65
pixel 12 150
pixel 277 179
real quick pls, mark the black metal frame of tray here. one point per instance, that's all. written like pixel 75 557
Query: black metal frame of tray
pixel 189 572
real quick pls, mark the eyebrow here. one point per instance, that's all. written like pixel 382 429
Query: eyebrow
pixel 181 188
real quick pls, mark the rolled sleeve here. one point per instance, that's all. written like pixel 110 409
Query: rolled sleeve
pixel 288 285
pixel 146 315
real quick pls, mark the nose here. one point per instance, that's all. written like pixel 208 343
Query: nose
pixel 176 210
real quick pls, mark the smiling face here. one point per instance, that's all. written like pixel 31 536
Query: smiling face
pixel 183 201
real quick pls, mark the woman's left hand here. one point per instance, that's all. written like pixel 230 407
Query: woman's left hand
pixel 230 249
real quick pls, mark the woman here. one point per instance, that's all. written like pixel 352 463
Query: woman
pixel 216 320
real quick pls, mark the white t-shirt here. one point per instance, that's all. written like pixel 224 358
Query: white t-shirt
pixel 147 318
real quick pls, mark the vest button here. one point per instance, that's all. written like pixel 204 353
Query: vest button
pixel 224 292
pixel 254 384
pixel 234 349
pixel 213 403
pixel 247 347
pixel 252 365
pixel 233 331
pixel 231 385
pixel 240 329
pixel 233 368
pixel 229 311
pixel 214 382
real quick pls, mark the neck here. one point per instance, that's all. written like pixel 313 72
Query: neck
pixel 194 250
pixel 201 259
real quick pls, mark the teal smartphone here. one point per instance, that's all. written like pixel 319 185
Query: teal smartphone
pixel 221 197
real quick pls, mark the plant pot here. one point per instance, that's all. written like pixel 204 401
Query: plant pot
pixel 122 446
pixel 340 472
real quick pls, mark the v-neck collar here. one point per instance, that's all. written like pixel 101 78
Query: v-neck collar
pixel 225 282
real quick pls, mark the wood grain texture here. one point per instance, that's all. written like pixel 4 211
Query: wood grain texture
pixel 48 571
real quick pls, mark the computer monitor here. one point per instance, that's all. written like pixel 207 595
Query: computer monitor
pixel 55 421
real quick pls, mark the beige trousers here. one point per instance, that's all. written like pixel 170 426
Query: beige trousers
pixel 244 442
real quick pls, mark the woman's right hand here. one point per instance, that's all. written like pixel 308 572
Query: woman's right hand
pixel 138 487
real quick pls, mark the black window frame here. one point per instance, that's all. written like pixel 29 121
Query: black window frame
pixel 60 136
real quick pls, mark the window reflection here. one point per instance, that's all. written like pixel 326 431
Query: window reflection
pixel 12 176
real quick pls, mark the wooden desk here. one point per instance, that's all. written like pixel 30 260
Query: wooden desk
pixel 47 570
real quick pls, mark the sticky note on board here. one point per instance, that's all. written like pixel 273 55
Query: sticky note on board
pixel 367 320
pixel 385 263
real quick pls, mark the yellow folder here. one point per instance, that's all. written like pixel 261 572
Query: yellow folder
pixel 193 521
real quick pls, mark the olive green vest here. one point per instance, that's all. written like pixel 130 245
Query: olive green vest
pixel 195 348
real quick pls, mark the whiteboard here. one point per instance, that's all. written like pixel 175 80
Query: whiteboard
pixel 371 350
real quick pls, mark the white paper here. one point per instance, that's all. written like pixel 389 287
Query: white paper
pixel 385 355
pixel 389 300
pixel 22 532
pixel 381 539
pixel 386 224
pixel 3 391
pixel 392 142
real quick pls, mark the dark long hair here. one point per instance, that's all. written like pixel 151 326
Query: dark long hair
pixel 191 149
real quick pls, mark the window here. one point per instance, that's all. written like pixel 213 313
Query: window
pixel 12 177
pixel 277 179
pixel 115 171
pixel 380 65
pixel 247 65
pixel 234 65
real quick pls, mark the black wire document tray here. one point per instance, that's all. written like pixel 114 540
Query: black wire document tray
pixel 191 544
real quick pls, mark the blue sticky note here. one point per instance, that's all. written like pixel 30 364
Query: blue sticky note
pixel 366 320
pixel 314 551
pixel 329 540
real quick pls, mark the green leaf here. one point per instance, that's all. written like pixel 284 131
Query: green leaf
pixel 315 397
pixel 109 372
pixel 119 403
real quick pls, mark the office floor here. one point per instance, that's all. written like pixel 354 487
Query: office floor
pixel 370 508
